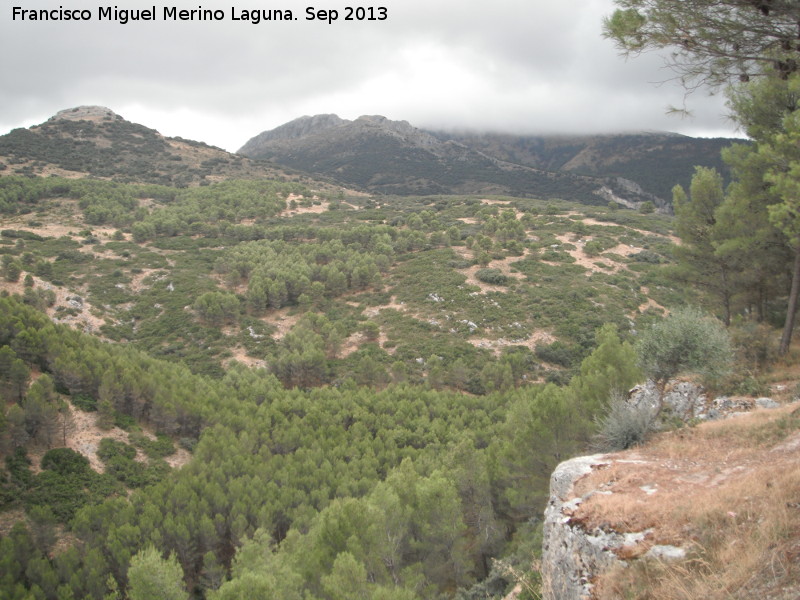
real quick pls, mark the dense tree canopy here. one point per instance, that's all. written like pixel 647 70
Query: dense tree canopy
pixel 709 41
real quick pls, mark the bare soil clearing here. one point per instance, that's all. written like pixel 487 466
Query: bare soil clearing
pixel 84 436
pixel 539 337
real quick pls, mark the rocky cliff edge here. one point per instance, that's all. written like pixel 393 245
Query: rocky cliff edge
pixel 711 511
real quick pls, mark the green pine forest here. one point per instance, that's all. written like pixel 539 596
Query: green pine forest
pixel 328 395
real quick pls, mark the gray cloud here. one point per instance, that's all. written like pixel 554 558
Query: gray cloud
pixel 513 65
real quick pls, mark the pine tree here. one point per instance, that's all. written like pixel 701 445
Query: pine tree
pixel 768 109
pixel 711 42
pixel 699 261
pixel 154 578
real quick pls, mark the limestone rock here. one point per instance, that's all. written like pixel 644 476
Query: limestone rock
pixel 766 403
pixel 86 113
pixel 689 401
pixel 684 399
pixel 570 554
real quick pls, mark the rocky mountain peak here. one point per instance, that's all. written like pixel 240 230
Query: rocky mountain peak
pixel 401 129
pixel 303 127
pixel 86 113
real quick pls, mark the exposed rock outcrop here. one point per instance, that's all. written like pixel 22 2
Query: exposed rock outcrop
pixel 689 401
pixel 723 483
pixel 86 113
pixel 573 555
pixel 293 130
pixel 570 555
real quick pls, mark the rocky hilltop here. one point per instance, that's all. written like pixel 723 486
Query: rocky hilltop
pixel 711 511
pixel 95 141
pixel 86 113
pixel 293 130
pixel 319 127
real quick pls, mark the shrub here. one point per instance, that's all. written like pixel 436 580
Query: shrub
pixel 491 276
pixel 111 448
pixel 557 353
pixel 65 461
pixel 626 425
pixel 754 344
pixel 84 403
pixel 648 256
pixel 592 248
pixel 158 448
pixel 685 341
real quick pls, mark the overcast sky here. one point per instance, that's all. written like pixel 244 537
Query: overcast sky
pixel 525 66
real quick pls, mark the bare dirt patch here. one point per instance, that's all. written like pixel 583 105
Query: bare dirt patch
pixel 83 320
pixel 351 345
pixel 592 264
pixel 590 221
pixel 538 337
pixel 393 304
pixel 137 281
pixel 68 225
pixel 240 355
pixel 282 321
pixel 503 265
pixel 85 437
pixel 9 518
pixel 239 288
pixel 317 206
pixel 650 303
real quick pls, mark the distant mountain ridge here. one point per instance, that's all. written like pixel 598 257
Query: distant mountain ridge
pixel 371 153
pixel 393 157
pixel 656 161
pixel 388 156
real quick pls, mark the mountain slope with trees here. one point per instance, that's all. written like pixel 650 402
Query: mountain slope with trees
pixel 387 156
pixel 93 140
pixel 374 389
pixel 654 161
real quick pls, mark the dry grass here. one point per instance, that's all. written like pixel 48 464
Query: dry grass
pixel 728 492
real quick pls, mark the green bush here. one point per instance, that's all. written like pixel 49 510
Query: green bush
pixel 160 447
pixel 648 256
pixel 491 276
pixel 65 461
pixel 685 341
pixel 111 448
pixel 84 402
pixel 592 248
pixel 557 353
